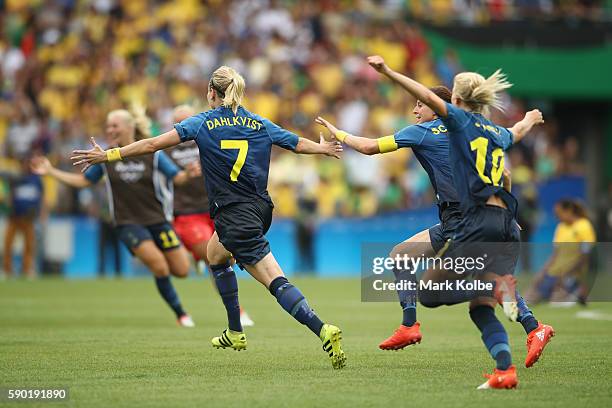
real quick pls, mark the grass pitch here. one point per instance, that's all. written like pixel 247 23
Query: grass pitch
pixel 115 343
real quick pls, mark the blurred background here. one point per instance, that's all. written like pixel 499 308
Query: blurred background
pixel 65 63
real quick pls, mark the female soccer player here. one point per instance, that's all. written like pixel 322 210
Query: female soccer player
pixel 192 221
pixel 137 204
pixel 565 273
pixel 428 139
pixel 476 150
pixel 235 149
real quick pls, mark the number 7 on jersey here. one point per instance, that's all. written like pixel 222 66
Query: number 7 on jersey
pixel 243 148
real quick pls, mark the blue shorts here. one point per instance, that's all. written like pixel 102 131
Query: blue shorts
pixel 489 234
pixel 132 235
pixel 450 217
pixel 242 229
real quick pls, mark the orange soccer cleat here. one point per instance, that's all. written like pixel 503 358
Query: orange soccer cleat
pixel 501 379
pixel 402 337
pixel 536 341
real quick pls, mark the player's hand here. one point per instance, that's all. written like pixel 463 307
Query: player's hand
pixel 332 148
pixel 535 116
pixel 87 158
pixel 40 165
pixel 378 63
pixel 332 129
pixel 193 169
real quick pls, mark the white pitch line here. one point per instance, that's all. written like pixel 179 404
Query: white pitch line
pixel 593 315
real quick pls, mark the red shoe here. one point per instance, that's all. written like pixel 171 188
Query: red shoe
pixel 501 379
pixel 505 293
pixel 402 337
pixel 536 341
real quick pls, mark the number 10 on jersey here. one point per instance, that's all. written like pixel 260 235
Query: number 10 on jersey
pixel 480 145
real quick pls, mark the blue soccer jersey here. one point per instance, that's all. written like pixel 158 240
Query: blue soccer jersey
pixel 477 148
pixel 429 142
pixel 234 152
pixel 26 195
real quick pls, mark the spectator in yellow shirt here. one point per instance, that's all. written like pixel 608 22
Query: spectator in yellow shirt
pixel 564 275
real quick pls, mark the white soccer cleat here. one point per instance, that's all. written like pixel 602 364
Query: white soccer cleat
pixel 186 321
pixel 200 267
pixel 511 311
pixel 245 319
pixel 505 293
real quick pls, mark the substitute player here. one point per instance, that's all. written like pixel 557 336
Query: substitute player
pixel 192 220
pixel 235 147
pixel 428 139
pixel 476 151
pixel 137 203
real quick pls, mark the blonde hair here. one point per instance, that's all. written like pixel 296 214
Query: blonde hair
pixel 182 112
pixel 137 118
pixel 230 85
pixel 479 93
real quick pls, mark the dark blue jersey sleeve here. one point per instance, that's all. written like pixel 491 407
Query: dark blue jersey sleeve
pixel 94 173
pixel 506 138
pixel 281 137
pixel 188 129
pixel 167 166
pixel 456 119
pixel 410 136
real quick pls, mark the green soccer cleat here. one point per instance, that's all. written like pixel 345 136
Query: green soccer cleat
pixel 331 336
pixel 230 339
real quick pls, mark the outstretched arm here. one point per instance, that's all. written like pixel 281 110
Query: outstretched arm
pixel 42 167
pixel 146 146
pixel 520 129
pixel 416 89
pixel 361 144
pixel 306 146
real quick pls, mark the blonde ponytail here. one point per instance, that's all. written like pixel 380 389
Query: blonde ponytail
pixel 142 123
pixel 230 86
pixel 479 93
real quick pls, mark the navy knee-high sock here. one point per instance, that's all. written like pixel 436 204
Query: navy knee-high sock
pixel 525 316
pixel 407 298
pixel 167 292
pixel 294 303
pixel 225 278
pixel 494 335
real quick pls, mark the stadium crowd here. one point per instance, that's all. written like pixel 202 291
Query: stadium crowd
pixel 479 12
pixel 63 69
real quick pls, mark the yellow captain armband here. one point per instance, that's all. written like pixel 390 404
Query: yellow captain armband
pixel 387 144
pixel 341 135
pixel 113 154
